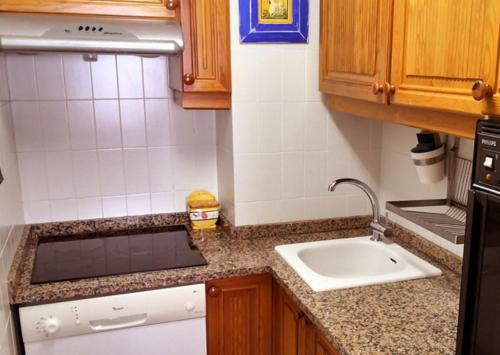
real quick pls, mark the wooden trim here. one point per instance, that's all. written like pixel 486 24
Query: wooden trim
pixel 138 8
pixel 437 121
pixel 203 100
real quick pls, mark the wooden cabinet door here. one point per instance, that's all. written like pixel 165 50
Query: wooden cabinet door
pixel 355 48
pixel 139 8
pixel 239 316
pixel 289 328
pixel 440 48
pixel 201 77
pixel 323 346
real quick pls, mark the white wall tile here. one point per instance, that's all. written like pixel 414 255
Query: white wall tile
pixel 60 175
pixel 292 210
pixel 50 77
pixel 315 179
pixel 246 128
pixel 162 202
pixel 55 126
pixel 205 127
pixel 82 124
pixel 89 208
pixel 33 176
pixel 244 74
pixel 270 73
pixel 86 173
pixel 130 77
pixel 182 125
pixel 63 210
pixel 104 77
pixel 27 127
pixel 136 170
pixel 79 142
pixel 293 175
pixel 4 84
pixel 77 77
pixel 22 77
pixel 183 158
pixel 157 122
pixel 133 124
pixel 108 127
pixel 160 167
pixel 36 211
pixel 114 206
pixel 269 131
pixel 111 172
pixel 138 204
pixel 294 73
pixel 155 77
pixel 293 126
pixel 315 126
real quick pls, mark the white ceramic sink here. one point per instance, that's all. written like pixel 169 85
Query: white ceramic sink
pixel 353 262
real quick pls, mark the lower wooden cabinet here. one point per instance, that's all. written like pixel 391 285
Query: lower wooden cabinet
pixel 253 315
pixel 293 332
pixel 239 316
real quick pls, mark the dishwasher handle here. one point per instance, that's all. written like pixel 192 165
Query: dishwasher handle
pixel 118 323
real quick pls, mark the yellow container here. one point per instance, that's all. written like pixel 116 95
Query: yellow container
pixel 203 209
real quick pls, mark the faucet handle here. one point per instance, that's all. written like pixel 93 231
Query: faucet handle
pixel 379 231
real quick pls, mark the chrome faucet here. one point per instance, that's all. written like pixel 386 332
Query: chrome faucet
pixel 378 229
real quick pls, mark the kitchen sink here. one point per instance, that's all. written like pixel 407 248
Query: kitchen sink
pixel 353 262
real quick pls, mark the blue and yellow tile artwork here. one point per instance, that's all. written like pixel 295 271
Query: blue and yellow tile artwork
pixel 274 21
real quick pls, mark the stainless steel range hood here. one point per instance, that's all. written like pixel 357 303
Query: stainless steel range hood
pixel 33 33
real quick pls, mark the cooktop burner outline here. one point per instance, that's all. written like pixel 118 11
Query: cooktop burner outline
pixel 76 257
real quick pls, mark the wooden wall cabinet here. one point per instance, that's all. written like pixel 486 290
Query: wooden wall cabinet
pixel 136 8
pixel 239 316
pixel 293 332
pixel 440 57
pixel 441 49
pixel 201 76
pixel 354 48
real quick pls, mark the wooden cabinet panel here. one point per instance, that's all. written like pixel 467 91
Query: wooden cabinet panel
pixel 239 312
pixel 355 48
pixel 136 8
pixel 288 336
pixel 201 77
pixel 293 332
pixel 440 48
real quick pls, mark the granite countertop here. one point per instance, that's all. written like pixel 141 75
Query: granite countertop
pixel 410 317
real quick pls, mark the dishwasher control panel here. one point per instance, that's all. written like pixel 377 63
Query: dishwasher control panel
pixel 71 318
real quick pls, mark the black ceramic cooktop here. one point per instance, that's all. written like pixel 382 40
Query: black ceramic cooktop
pixel 85 256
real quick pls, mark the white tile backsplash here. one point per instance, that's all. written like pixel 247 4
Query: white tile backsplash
pixel 77 77
pixel 133 123
pixel 50 77
pixel 287 146
pixel 103 139
pixel 11 215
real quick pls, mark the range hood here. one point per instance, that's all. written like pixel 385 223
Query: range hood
pixel 34 33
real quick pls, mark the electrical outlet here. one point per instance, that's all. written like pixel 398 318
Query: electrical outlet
pixel 1 176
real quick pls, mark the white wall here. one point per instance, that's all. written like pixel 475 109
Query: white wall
pixel 10 210
pixel 104 139
pixel 399 181
pixel 287 146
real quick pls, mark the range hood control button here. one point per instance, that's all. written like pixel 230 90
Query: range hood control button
pixel 488 162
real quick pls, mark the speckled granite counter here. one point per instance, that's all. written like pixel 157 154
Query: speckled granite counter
pixel 412 317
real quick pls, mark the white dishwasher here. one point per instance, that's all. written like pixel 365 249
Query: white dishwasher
pixel 167 321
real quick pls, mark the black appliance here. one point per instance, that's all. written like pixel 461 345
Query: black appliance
pixel 479 316
pixel 76 257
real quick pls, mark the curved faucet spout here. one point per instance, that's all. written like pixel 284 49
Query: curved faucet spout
pixel 378 229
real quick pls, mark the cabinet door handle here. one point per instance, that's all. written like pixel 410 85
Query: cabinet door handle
pixel 481 90
pixel 188 79
pixel 172 4
pixel 377 89
pixel 213 291
pixel 389 89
